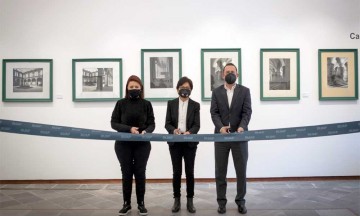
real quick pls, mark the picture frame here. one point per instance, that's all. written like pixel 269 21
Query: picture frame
pixel 27 80
pixel 338 74
pixel 160 72
pixel 212 64
pixel 279 74
pixel 97 79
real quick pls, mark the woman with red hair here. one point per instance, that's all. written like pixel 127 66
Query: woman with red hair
pixel 133 114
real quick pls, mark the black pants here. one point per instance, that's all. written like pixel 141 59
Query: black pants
pixel 239 152
pixel 177 152
pixel 133 157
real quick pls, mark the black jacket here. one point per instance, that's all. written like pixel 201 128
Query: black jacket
pixel 192 118
pixel 238 115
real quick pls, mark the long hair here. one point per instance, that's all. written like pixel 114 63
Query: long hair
pixel 135 79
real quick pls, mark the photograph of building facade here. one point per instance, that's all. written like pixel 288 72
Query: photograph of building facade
pixel 337 72
pixel 161 72
pixel 28 79
pixel 279 74
pixel 97 79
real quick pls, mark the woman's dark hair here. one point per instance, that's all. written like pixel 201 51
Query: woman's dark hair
pixel 135 79
pixel 183 80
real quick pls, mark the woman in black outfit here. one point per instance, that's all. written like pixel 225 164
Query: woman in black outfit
pixel 183 117
pixel 133 114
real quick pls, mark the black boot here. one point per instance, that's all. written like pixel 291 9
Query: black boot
pixel 142 209
pixel 190 205
pixel 126 209
pixel 177 205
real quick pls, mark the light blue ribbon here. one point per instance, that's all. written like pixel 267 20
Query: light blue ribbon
pixel 29 128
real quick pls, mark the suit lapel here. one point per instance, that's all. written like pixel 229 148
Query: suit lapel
pixel 189 110
pixel 176 111
pixel 224 95
pixel 236 93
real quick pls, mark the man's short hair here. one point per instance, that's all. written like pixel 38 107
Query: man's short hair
pixel 229 64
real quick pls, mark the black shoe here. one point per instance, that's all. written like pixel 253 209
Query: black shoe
pixel 126 209
pixel 242 209
pixel 190 205
pixel 222 209
pixel 142 209
pixel 177 205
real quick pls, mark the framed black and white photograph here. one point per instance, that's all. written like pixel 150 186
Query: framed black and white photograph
pixel 97 79
pixel 212 64
pixel 160 72
pixel 27 80
pixel 279 74
pixel 338 74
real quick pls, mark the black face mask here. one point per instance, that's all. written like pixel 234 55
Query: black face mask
pixel 230 78
pixel 134 93
pixel 184 93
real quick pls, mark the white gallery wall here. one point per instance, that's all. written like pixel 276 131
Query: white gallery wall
pixel 66 29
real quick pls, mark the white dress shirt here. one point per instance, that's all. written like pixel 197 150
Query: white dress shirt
pixel 183 106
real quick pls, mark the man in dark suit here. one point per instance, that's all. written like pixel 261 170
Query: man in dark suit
pixel 230 112
pixel 183 117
